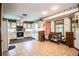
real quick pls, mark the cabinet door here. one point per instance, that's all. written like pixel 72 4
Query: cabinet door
pixel 9 25
pixel 70 39
pixel 13 25
pixel 24 25
pixel 40 35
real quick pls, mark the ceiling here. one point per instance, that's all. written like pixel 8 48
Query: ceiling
pixel 33 10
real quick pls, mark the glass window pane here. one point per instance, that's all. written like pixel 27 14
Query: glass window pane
pixel 59 26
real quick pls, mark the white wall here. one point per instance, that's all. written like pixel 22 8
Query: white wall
pixel 76 41
pixel 35 34
pixel 40 26
pixel 67 25
pixel 52 26
pixel 5 35
pixel 67 28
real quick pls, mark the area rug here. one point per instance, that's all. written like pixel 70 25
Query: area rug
pixel 11 47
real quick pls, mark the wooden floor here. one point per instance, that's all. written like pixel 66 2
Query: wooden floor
pixel 36 48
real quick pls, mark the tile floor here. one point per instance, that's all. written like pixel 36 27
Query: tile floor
pixel 37 48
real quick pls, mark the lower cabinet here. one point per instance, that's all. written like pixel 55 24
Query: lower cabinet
pixel 12 36
pixel 70 39
pixel 40 35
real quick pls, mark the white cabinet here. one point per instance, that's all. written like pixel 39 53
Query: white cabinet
pixel 13 25
pixel 12 36
pixel 27 34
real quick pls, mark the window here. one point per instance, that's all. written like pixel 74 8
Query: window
pixel 74 23
pixel 59 26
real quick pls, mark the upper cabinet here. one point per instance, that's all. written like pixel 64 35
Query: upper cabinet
pixel 11 25
pixel 28 25
pixel 19 23
pixel 25 25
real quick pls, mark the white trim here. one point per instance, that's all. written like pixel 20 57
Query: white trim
pixel 61 14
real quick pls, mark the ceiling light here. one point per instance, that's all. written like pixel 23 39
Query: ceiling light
pixel 44 13
pixel 24 14
pixel 54 8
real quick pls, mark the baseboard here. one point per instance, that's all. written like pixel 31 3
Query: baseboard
pixel 5 51
pixel 76 48
pixel 46 40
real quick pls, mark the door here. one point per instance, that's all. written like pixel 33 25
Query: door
pixel 0 31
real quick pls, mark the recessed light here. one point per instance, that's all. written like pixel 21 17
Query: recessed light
pixel 54 8
pixel 44 12
pixel 24 14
